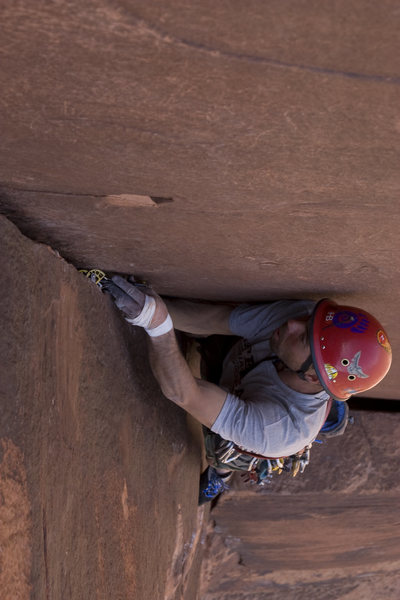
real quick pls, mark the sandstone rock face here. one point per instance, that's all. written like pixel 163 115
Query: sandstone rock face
pixel 224 151
pixel 98 472
pixel 267 136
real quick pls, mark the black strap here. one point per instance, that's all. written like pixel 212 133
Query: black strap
pixel 304 367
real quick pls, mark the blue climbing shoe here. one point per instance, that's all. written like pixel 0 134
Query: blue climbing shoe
pixel 211 485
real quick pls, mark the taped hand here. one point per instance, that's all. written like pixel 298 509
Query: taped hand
pixel 140 305
pixel 129 298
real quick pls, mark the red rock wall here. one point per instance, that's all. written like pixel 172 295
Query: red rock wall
pixel 273 128
pixel 268 136
pixel 98 472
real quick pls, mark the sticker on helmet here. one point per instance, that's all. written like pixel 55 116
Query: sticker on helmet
pixel 354 368
pixel 383 341
pixel 351 391
pixel 331 371
pixel 346 319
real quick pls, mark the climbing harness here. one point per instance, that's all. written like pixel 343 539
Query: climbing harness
pixel 259 469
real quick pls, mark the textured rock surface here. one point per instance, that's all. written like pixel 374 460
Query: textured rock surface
pixel 98 473
pixel 272 130
pixel 221 151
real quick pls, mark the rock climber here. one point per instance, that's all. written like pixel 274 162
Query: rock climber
pixel 284 362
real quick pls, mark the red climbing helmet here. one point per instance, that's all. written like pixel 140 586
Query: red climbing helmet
pixel 350 349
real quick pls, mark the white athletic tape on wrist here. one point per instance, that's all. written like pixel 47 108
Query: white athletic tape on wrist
pixel 145 317
pixel 166 326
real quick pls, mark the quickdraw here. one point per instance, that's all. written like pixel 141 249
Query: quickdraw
pixel 95 275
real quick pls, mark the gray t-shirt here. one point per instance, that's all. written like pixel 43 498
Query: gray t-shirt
pixel 261 413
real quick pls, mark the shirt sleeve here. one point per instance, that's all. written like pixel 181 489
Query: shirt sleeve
pixel 253 321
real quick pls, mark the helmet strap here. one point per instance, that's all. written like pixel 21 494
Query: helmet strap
pixel 304 368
